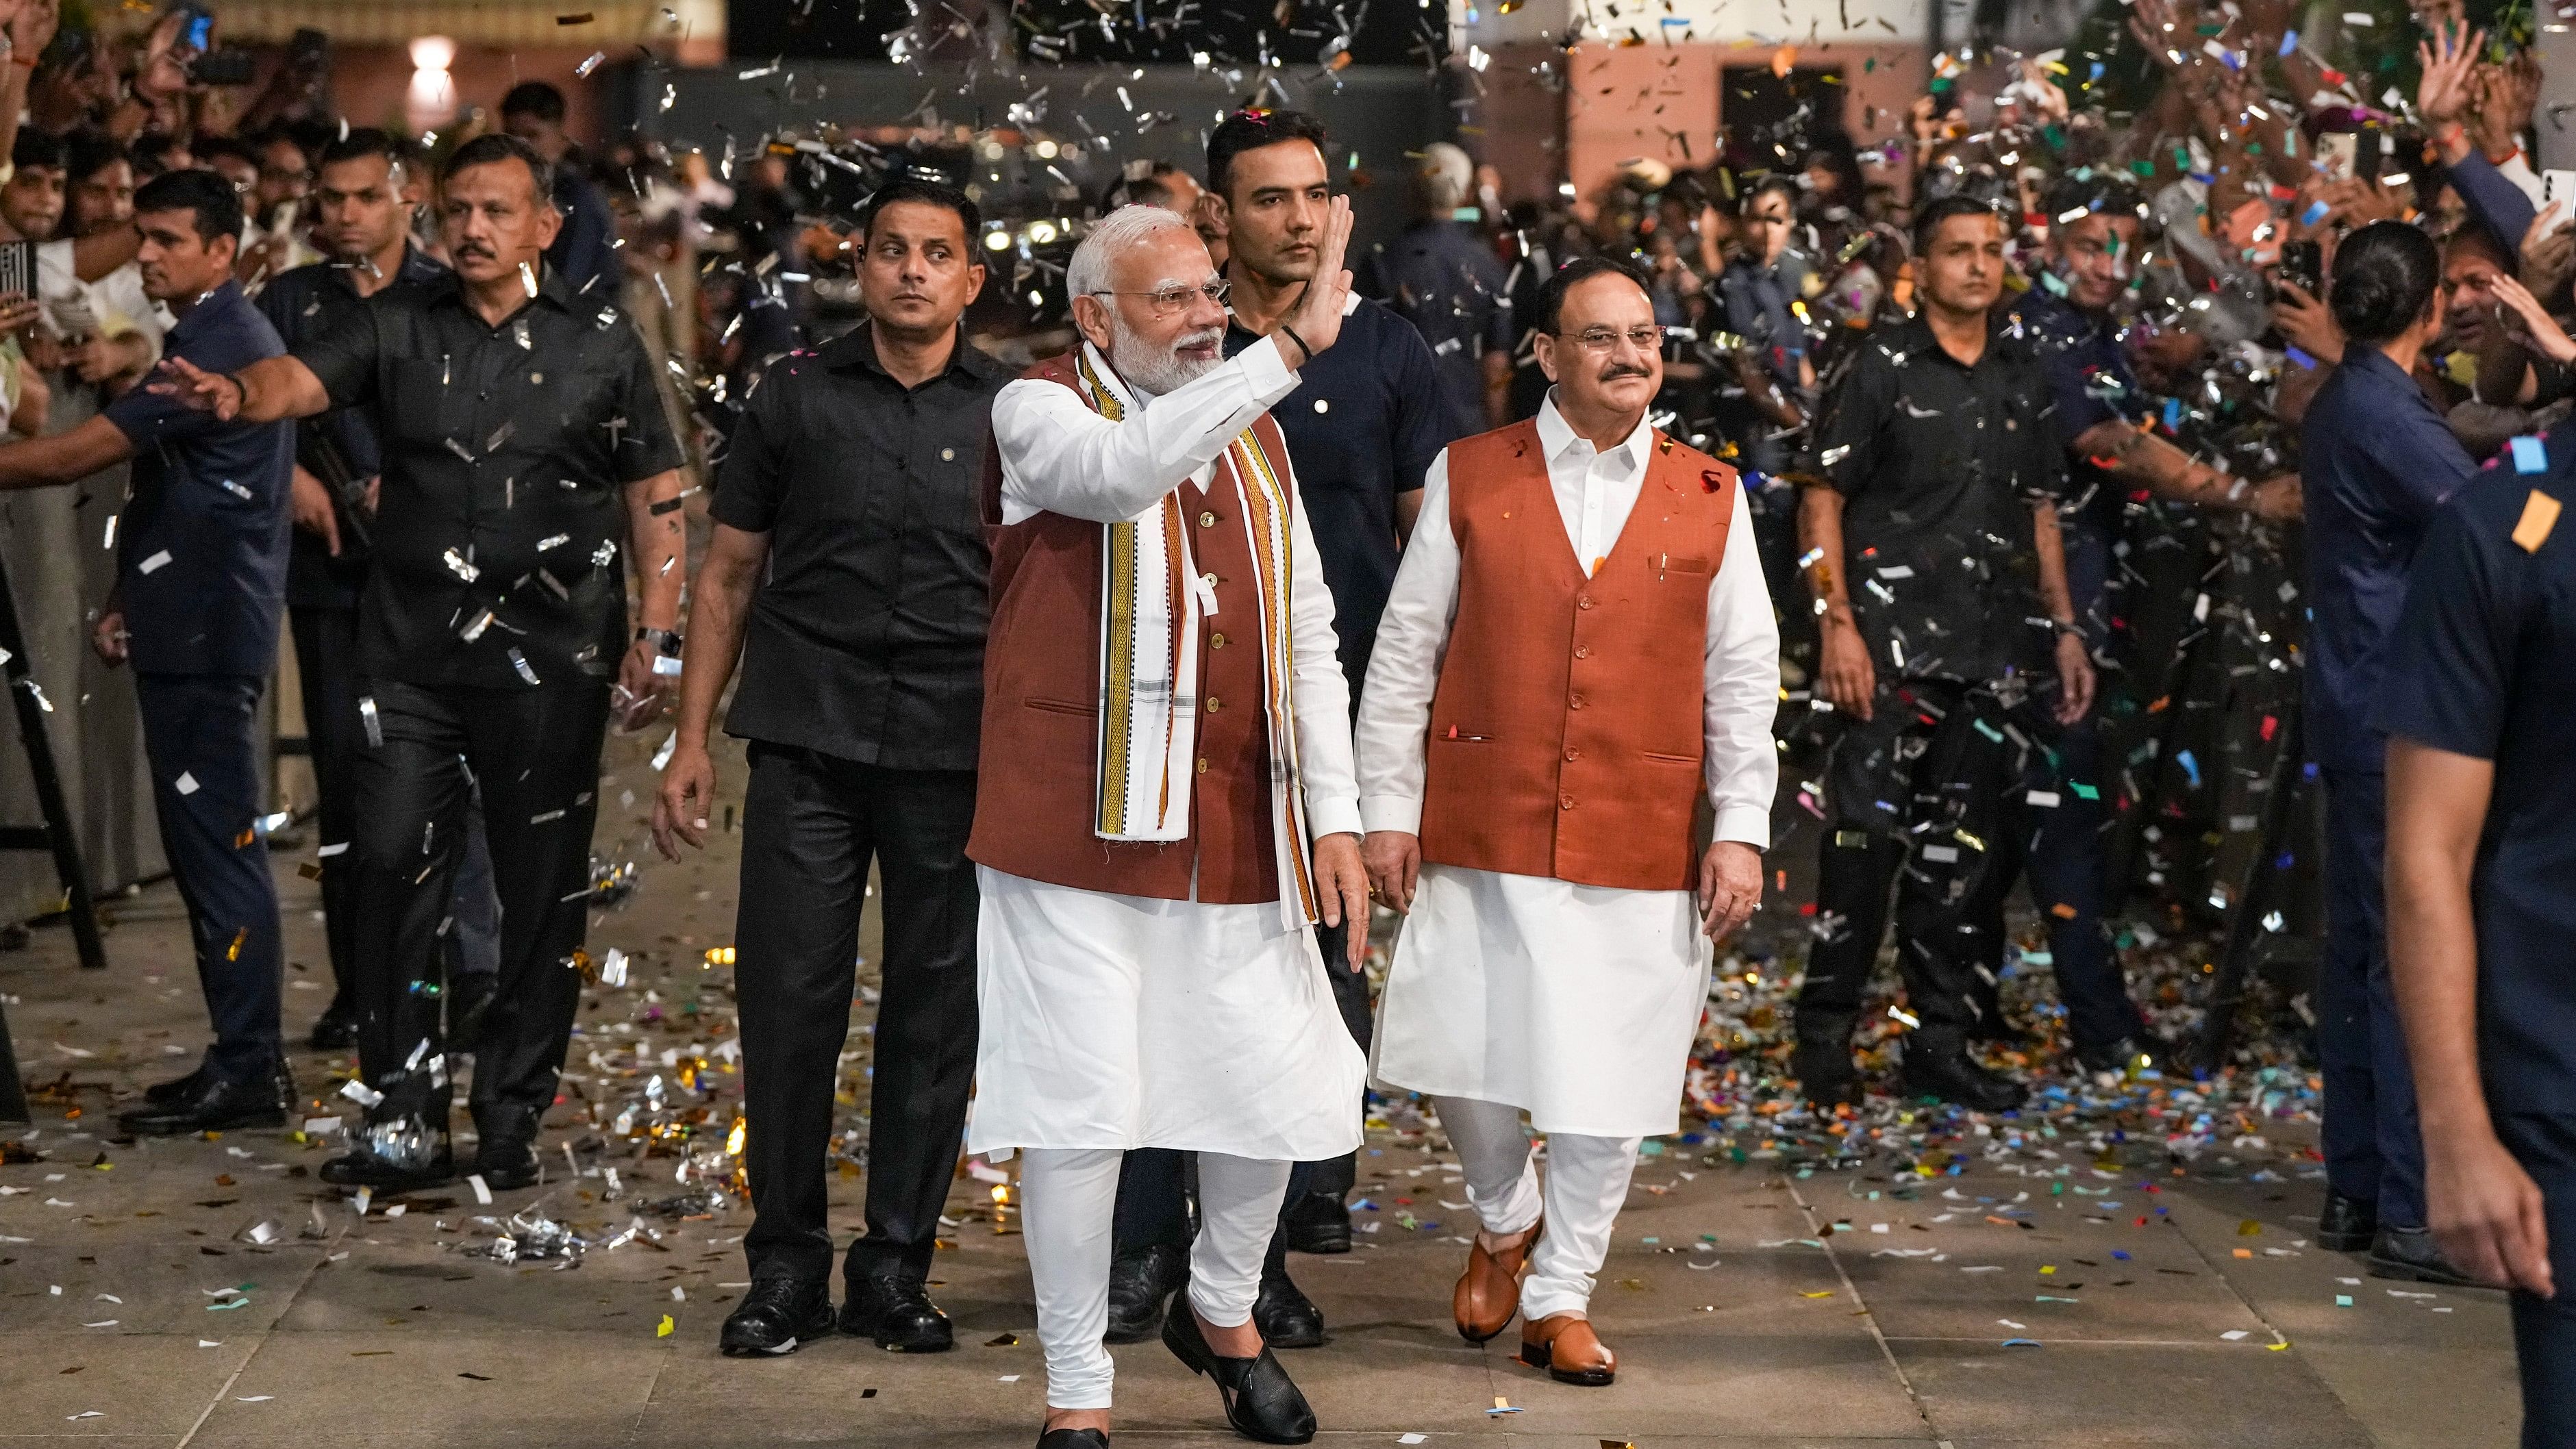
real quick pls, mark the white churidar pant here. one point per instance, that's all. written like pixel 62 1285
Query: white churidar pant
pixel 1587 1184
pixel 1068 1196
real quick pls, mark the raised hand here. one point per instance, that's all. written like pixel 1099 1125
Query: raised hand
pixel 1317 318
pixel 2448 59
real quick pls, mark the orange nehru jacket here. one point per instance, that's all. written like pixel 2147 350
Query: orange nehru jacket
pixel 1566 731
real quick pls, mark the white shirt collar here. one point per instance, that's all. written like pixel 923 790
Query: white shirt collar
pixel 1556 436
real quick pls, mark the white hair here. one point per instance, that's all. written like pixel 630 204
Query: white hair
pixel 1088 272
pixel 1445 177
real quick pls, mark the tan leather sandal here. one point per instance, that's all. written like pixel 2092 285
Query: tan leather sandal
pixel 1565 1345
pixel 1489 1292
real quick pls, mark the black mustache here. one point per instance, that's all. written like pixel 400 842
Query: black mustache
pixel 471 250
pixel 1616 373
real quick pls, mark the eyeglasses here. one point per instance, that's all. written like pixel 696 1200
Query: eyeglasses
pixel 1602 339
pixel 1169 300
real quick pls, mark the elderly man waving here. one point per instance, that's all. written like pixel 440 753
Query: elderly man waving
pixel 1578 652
pixel 1177 809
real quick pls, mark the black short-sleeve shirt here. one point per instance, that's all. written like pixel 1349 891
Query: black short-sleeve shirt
pixel 303 304
pixel 1367 418
pixel 2483 663
pixel 1939 465
pixel 501 527
pixel 201 543
pixel 866 638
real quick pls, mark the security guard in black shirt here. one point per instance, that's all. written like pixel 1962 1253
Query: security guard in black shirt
pixel 364 193
pixel 527 466
pixel 1932 546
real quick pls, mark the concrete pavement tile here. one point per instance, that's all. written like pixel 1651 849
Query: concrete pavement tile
pixel 371 1388
pixel 2390 1385
pixel 1679 1383
pixel 2211 1397
pixel 165 1288
pixel 140 1384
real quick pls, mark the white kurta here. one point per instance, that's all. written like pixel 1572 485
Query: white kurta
pixel 1575 1003
pixel 1114 1021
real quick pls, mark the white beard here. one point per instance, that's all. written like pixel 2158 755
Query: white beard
pixel 1153 370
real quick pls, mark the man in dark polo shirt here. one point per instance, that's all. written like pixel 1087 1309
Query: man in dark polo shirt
pixel 1932 546
pixel 1367 418
pixel 201 569
pixel 2475 696
pixel 849 568
pixel 527 466
pixel 364 191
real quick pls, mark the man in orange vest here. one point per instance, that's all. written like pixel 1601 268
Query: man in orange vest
pixel 1169 809
pixel 1579 650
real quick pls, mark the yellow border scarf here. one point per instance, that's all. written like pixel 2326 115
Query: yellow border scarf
pixel 1152 603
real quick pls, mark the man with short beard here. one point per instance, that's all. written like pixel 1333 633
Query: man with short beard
pixel 1362 426
pixel 1161 677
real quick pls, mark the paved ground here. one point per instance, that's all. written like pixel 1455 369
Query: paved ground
pixel 2053 1281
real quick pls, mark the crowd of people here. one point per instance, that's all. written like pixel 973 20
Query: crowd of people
pixel 2037 491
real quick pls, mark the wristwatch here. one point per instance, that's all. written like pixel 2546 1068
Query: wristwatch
pixel 665 640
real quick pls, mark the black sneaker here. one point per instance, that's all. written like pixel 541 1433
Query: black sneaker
pixel 2346 1224
pixel 779 1315
pixel 1141 1282
pixel 1286 1317
pixel 898 1314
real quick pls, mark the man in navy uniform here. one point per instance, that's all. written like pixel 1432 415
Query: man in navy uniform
pixel 201 574
pixel 2479 685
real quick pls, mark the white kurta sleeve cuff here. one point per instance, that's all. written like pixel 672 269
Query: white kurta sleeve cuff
pixel 1750 824
pixel 1333 817
pixel 1266 370
pixel 1401 813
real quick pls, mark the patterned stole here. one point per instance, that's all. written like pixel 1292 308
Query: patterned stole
pixel 1152 605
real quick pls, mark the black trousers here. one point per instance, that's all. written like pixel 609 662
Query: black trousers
pixel 535 754
pixel 199 742
pixel 326 659
pixel 1153 1196
pixel 1929 797
pixel 811 824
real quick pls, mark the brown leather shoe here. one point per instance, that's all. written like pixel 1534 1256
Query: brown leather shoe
pixel 1565 1345
pixel 1489 1292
